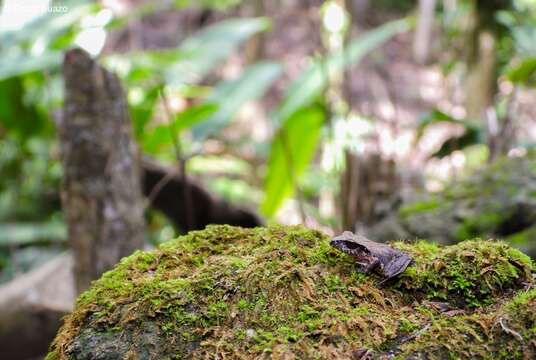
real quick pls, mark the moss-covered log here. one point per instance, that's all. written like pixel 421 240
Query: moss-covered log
pixel 283 292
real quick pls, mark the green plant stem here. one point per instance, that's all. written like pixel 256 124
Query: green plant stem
pixel 187 196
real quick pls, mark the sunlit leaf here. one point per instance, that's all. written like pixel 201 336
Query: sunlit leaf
pixel 193 59
pixel 11 66
pixel 524 72
pixel 232 95
pixel 47 26
pixel 194 115
pixel 159 139
pixel 314 80
pixel 142 111
pixel 210 46
pixel 292 151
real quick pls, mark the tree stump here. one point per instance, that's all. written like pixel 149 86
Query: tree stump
pixel 101 190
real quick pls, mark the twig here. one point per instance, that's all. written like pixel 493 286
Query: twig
pixel 416 334
pixel 158 187
pixel 189 220
pixel 510 331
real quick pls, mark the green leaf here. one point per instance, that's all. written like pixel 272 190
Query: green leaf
pixel 142 112
pixel 306 89
pixel 47 26
pixel 158 140
pixel 30 233
pixel 211 45
pixel 436 117
pixel 472 135
pixel 232 95
pixel 19 118
pixel 524 72
pixel 291 152
pixel 193 59
pixel 193 116
pixel 11 66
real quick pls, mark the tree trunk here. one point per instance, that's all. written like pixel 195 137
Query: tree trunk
pixel 101 190
pixel 369 188
pixel 423 32
pixel 359 11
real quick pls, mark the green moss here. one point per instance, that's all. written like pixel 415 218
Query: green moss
pixel 485 223
pixel 469 274
pixel 419 207
pixel 229 292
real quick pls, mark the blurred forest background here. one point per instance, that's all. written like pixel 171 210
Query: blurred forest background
pixel 399 119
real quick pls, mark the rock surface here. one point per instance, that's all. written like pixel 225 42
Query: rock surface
pixel 496 202
pixel 284 293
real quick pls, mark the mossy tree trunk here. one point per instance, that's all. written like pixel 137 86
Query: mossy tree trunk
pixel 101 190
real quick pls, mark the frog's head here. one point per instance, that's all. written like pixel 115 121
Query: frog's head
pixel 347 243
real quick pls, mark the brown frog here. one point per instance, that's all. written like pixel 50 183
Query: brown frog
pixel 372 255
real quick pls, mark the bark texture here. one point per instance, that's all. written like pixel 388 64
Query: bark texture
pixel 101 191
pixel 369 188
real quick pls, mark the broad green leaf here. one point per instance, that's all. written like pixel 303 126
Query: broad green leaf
pixel 524 72
pixel 232 95
pixel 194 115
pixel 142 111
pixel 291 152
pixel 158 140
pixel 193 59
pixel 142 66
pixel 210 46
pixel 46 26
pixel 19 118
pixel 29 233
pixel 306 89
pixel 11 66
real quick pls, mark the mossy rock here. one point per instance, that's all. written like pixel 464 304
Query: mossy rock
pixel 498 201
pixel 283 292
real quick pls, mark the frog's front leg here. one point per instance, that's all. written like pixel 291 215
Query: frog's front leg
pixel 369 266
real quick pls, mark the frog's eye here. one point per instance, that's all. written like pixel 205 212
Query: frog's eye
pixel 352 245
pixel 348 247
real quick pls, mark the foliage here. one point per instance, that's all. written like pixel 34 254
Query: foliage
pixel 232 95
pixel 472 135
pixel 30 85
pixel 287 162
pixel 291 152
